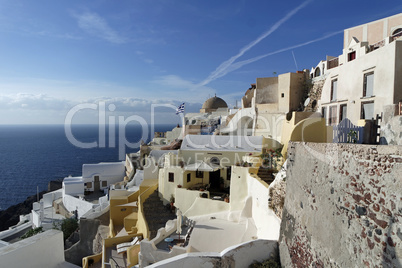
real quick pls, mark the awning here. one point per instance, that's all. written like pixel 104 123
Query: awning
pixel 202 166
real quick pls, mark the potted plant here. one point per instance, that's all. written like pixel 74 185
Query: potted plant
pixel 179 186
pixel 271 158
pixel 172 203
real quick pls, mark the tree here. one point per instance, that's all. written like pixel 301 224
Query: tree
pixel 68 226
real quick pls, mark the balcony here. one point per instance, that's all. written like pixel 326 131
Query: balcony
pixel 396 36
pixel 376 46
pixel 332 63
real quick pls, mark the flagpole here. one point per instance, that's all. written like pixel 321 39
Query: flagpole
pixel 180 112
pixel 183 125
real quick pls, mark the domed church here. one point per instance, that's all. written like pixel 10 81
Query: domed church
pixel 213 104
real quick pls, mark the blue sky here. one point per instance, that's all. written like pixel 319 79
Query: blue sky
pixel 57 54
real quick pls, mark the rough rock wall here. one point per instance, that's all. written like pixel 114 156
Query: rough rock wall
pixel 314 95
pixel 277 198
pixel 89 231
pixel 343 206
pixel 84 247
pixel 391 127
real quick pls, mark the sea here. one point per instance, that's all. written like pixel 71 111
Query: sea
pixel 33 155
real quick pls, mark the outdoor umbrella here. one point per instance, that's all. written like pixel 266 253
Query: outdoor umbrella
pixel 202 166
pixel 179 220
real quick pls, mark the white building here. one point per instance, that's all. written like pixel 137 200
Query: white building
pixel 365 79
pixel 95 177
pixel 265 105
pixel 207 160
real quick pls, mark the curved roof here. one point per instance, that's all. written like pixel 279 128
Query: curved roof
pixel 214 103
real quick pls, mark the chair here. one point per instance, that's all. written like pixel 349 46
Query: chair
pixel 122 247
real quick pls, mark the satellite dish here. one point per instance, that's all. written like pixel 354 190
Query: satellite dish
pixel 306 102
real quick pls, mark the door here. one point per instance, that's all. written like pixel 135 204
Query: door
pixel 96 184
pixel 214 178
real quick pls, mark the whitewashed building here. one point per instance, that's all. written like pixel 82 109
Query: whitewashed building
pixel 95 177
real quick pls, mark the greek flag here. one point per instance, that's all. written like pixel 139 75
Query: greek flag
pixel 180 109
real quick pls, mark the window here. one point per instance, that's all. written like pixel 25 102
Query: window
pixel 214 160
pixel 188 177
pixel 342 112
pixel 397 31
pixel 324 112
pixel 282 95
pixel 89 184
pixel 199 174
pixel 334 89
pixel 352 56
pixel 228 173
pixel 104 183
pixel 368 84
pixel 332 115
pixel 171 177
pixel 396 34
pixel 367 110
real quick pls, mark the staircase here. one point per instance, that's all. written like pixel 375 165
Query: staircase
pixel 156 214
pixel 266 175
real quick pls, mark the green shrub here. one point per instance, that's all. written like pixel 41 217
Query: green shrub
pixel 32 232
pixel 68 226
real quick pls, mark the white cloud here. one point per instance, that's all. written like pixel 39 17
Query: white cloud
pixel 20 107
pixel 33 102
pixel 97 26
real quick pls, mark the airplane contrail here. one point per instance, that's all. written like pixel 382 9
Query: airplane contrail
pixel 240 64
pixel 226 64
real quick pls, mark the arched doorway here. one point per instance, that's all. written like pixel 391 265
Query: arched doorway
pixel 245 126
pixel 317 72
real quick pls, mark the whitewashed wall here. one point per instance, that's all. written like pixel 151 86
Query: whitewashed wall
pixel 42 250
pixel 237 256
pixel 50 197
pixel 71 203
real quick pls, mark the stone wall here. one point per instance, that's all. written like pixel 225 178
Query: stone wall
pixel 89 237
pixel 391 126
pixel 343 206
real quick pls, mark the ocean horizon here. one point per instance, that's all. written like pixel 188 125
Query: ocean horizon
pixel 33 155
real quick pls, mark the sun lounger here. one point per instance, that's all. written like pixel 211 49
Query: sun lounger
pixel 122 247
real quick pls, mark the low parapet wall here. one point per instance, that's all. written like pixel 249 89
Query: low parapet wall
pixel 237 256
pixel 150 253
pixel 343 206
pixel 41 250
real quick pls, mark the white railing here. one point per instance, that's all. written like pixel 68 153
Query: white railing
pixel 346 132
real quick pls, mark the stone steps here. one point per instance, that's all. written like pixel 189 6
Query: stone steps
pixel 266 175
pixel 156 214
